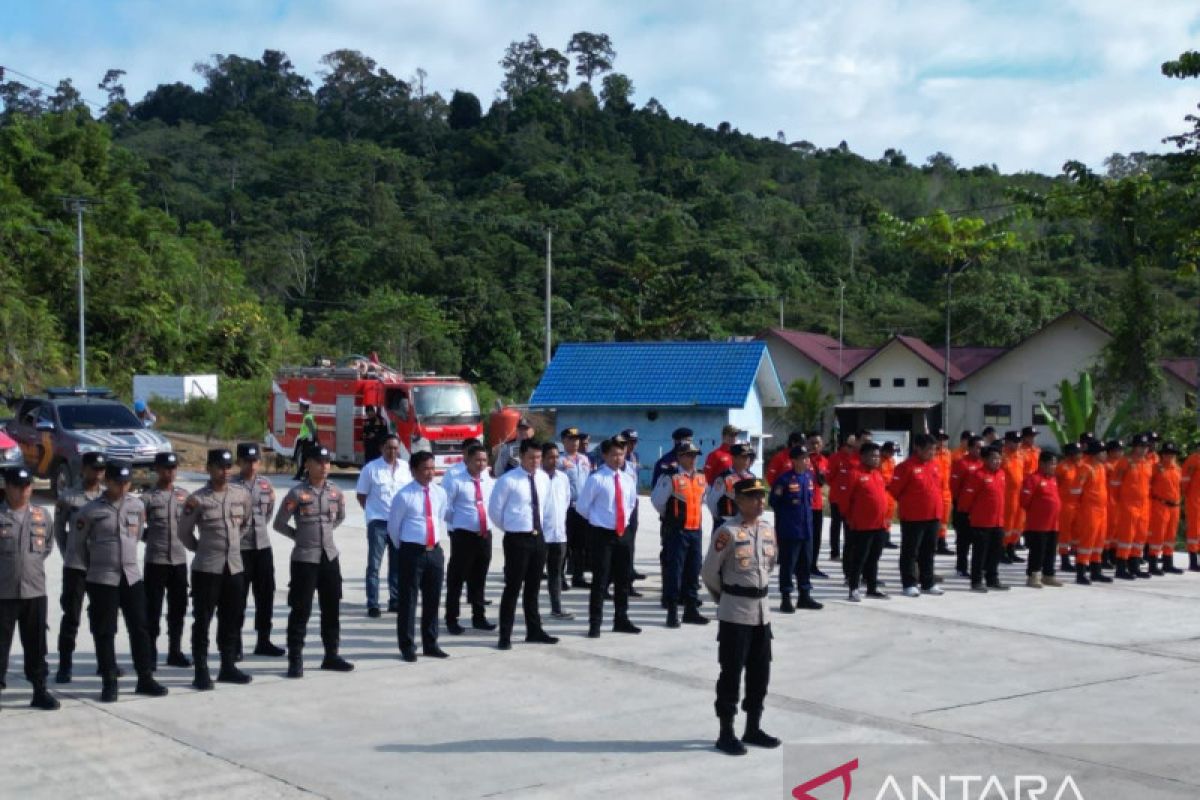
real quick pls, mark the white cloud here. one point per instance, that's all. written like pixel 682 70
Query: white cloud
pixel 1023 84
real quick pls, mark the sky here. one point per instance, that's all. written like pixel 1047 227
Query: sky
pixel 1022 84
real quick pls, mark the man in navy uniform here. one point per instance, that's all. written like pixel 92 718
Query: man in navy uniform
pixel 791 500
pixel 680 437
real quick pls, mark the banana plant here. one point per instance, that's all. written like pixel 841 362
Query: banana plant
pixel 1079 412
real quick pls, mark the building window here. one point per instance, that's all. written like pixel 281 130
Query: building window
pixel 923 382
pixel 898 383
pixel 848 388
pixel 876 383
pixel 995 414
pixel 1039 418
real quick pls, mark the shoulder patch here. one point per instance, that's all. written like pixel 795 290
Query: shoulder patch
pixel 722 540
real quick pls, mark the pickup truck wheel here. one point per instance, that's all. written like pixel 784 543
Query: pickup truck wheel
pixel 61 479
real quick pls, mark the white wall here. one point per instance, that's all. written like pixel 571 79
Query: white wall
pixel 179 388
pixel 792 365
pixel 896 361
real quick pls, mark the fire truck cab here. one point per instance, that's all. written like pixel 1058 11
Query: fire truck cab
pixel 428 412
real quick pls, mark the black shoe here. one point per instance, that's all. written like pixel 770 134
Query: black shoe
pixel 1065 564
pixel 231 674
pixel 454 628
pixel 807 603
pixel 295 668
pixel 1123 572
pixel 1193 562
pixel 816 573
pixel 266 648
pixel 963 573
pixel 997 586
pixel 64 670
pixel 337 664
pixel 943 549
pixel 673 616
pixel 504 644
pixel 487 602
pixel 634 592
pixel 1013 558
pixel 393 608
pixel 693 617
pixel 1081 575
pixel 785 605
pixel 148 686
pixel 978 587
pixel 374 613
pixel 755 735
pixel 593 630
pixel 408 655
pixel 878 595
pixel 176 658
pixel 625 626
pixel 1135 568
pixel 890 545
pixel 43 699
pixel 108 691
pixel 202 682
pixel 481 624
pixel 1098 575
pixel 637 576
pixel 434 652
pixel 727 742
pixel 1168 565
pixel 566 587
pixel 541 637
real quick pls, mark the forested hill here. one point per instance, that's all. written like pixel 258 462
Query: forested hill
pixel 267 215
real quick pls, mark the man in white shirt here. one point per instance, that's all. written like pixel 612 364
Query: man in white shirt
pixel 470 525
pixel 632 466
pixel 459 468
pixel 575 464
pixel 554 525
pixel 607 501
pixel 518 508
pixel 416 527
pixel 377 485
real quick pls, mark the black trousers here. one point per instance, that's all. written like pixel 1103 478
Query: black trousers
pixel 171 580
pixel 682 561
pixel 259 574
pixel 985 560
pixel 524 560
pixel 29 618
pixel 918 540
pixel 578 551
pixel 103 603
pixel 299 451
pixel 325 578
pixel 964 540
pixel 1043 552
pixel 743 648
pixel 470 558
pixel 835 530
pixel 861 560
pixel 219 594
pixel 795 570
pixel 818 525
pixel 74 588
pixel 420 570
pixel 611 558
pixel 556 557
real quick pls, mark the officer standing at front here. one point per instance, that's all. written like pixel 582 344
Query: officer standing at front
pixel 318 508
pixel 109 529
pixel 74 576
pixel 416 527
pixel 215 518
pixel 679 498
pixel 165 565
pixel 23 582
pixel 791 500
pixel 467 499
pixel 737 571
pixel 258 559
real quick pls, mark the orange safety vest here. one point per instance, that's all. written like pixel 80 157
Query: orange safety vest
pixel 687 499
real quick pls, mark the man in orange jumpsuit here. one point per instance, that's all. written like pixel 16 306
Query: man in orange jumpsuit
pixel 1165 499
pixel 944 459
pixel 887 468
pixel 1065 475
pixel 1190 485
pixel 1089 524
pixel 1013 466
pixel 1115 451
pixel 1131 479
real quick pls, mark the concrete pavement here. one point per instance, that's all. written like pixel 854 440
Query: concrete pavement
pixel 630 715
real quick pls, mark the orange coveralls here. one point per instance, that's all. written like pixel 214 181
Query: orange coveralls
pixel 1090 522
pixel 1190 485
pixel 1065 472
pixel 1132 478
pixel 1014 475
pixel 887 468
pixel 1164 508
pixel 944 461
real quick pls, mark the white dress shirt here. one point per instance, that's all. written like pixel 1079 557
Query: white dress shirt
pixel 380 481
pixel 407 520
pixel 554 510
pixel 577 468
pixel 461 511
pixel 511 506
pixel 454 472
pixel 598 500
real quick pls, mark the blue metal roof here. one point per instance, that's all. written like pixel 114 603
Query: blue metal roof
pixel 707 374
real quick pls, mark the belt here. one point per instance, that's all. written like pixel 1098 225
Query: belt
pixel 520 533
pixel 743 591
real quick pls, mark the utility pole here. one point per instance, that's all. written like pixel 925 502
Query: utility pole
pixel 549 268
pixel 79 205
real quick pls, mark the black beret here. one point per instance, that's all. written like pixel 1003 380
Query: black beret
pixel 219 457
pixel 168 460
pixel 93 460
pixel 118 471
pixel 17 476
pixel 248 451
pixel 319 452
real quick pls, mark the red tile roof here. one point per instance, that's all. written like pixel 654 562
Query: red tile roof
pixel 929 355
pixel 823 350
pixel 1185 369
pixel 970 359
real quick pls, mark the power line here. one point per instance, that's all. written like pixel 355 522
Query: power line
pixel 5 68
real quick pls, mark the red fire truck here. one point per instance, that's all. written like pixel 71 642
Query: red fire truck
pixel 429 412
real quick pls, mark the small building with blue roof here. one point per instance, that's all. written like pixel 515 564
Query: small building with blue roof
pixel 656 387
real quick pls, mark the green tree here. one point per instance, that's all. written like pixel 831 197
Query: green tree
pixel 593 52
pixel 407 331
pixel 527 65
pixel 807 404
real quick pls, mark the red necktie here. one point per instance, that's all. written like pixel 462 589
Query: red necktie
pixel 483 526
pixel 620 527
pixel 430 536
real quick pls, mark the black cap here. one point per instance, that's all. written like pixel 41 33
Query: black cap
pixel 687 447
pixel 629 435
pixel 1141 440
pixel 1170 448
pixel 942 436
pixel 118 471
pixel 966 436
pixel 987 430
pixel 868 447
pixel 304 401
pixel 741 449
pixel 1095 447
pixel 1152 436
pixel 1086 436
pixel 1114 445
pixel 93 460
pixel 1029 430
pixel 319 452
pixel 219 457
pixel 1012 437
pixel 166 460
pixel 248 451
pixel 887 447
pixel 992 448
pixel 17 476
pixel 749 486
pixel 570 433
pixel 679 434
pixel 798 451
pixel 974 440
pixel 1072 448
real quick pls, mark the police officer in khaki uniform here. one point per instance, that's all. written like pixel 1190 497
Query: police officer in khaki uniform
pixel 318 508
pixel 25 542
pixel 109 529
pixel 165 566
pixel 737 571
pixel 215 519
pixel 74 578
pixel 258 560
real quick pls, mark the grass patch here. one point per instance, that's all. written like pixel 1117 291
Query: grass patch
pixel 239 412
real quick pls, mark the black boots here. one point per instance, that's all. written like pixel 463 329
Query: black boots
pixel 108 688
pixel 1081 575
pixel 623 625
pixel 1013 558
pixel 335 663
pixel 672 616
pixel 265 647
pixel 728 741
pixel 1193 562
pixel 43 699
pixel 1065 563
pixel 691 616
pixel 175 655
pixel 1152 563
pixel 1123 572
pixel 785 605
pixel 64 668
pixel 229 672
pixel 1098 575
pixel 1168 565
pixel 1135 567
pixel 754 734
pixel 148 686
pixel 203 681
pixel 295 666
pixel 806 602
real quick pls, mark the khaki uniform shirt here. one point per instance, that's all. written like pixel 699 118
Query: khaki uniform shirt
pixel 164 507
pixel 212 527
pixel 262 503
pixel 108 539
pixel 65 535
pixel 741 554
pixel 317 512
pixel 26 540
